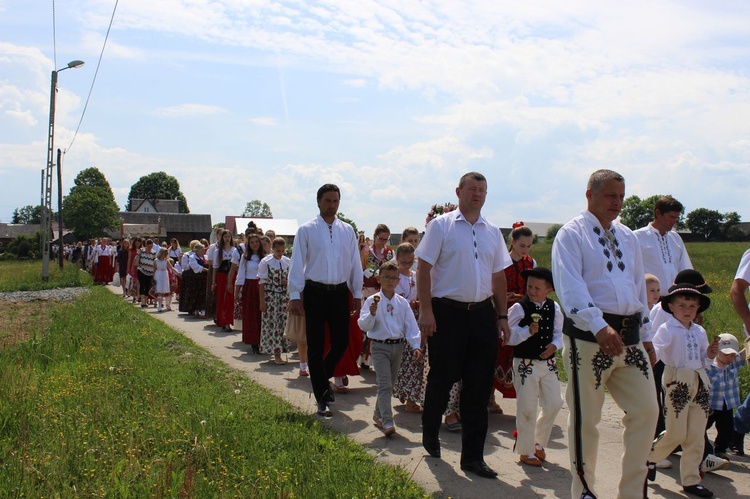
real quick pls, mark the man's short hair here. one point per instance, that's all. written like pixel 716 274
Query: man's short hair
pixel 328 188
pixel 473 176
pixel 668 204
pixel 599 177
pixel 389 265
pixel 404 249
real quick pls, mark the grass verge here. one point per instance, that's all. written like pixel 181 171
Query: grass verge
pixel 106 401
pixel 27 276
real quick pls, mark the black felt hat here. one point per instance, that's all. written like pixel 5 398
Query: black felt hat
pixel 684 289
pixel 690 276
pixel 541 273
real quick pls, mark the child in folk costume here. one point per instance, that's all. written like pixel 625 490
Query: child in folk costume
pixel 273 272
pixel 103 259
pixel 535 323
pixel 409 383
pixel 225 262
pixel 521 239
pixel 246 291
pixel 162 279
pixel 683 347
pixel 389 322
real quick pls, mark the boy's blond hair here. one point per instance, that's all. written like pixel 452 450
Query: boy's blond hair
pixel 404 249
pixel 652 279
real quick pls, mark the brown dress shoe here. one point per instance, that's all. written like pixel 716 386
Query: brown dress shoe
pixel 531 461
pixel 539 452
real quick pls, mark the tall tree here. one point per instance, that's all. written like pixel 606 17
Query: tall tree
pixel 158 185
pixel 637 212
pixel 257 209
pixel 27 215
pixel 90 209
pixel 706 223
pixel 343 218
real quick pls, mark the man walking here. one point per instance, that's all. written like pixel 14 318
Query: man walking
pixel 461 261
pixel 325 267
pixel 599 279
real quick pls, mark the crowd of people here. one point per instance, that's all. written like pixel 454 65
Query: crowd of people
pixel 449 321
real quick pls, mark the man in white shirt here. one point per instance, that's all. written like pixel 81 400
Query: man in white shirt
pixel 739 300
pixel 599 279
pixel 461 261
pixel 664 253
pixel 325 262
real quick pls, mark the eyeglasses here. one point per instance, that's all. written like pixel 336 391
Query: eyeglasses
pixel 389 277
pixel 406 262
pixel 383 239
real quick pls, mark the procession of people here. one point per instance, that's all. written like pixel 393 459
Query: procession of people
pixel 452 319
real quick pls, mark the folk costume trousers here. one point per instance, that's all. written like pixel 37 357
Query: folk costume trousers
pixel 686 406
pixel 464 346
pixel 537 391
pixel 629 380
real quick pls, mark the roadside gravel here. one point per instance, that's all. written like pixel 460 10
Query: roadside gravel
pixel 59 294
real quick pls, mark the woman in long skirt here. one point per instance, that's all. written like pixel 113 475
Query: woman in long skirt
pixel 225 262
pixel 273 272
pixel 104 261
pixel 247 292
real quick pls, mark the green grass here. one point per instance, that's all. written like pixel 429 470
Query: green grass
pixel 107 401
pixel 27 276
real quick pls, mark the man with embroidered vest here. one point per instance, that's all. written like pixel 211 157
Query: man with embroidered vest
pixel 461 261
pixel 599 278
pixel 535 323
pixel 325 262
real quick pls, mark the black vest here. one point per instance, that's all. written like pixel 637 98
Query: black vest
pixel 533 347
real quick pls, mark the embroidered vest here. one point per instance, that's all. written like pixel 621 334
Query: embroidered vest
pixel 533 347
pixel 516 282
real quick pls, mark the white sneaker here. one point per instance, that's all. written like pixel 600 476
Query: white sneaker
pixel 714 463
pixel 664 464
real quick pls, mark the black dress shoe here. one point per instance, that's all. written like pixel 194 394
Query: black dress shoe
pixel 480 468
pixel 431 445
pixel 698 490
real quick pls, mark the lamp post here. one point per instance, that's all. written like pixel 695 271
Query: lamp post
pixel 47 205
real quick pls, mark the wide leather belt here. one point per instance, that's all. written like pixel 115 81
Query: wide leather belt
pixel 628 326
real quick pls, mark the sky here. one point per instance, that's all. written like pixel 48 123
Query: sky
pixel 391 100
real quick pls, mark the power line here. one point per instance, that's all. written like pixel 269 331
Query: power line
pixel 101 54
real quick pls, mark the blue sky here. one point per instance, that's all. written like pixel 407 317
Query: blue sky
pixel 392 100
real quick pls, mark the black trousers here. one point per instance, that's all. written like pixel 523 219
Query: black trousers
pixel 332 307
pixel 464 346
pixel 724 419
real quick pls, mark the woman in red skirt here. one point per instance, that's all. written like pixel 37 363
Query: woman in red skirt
pixel 246 291
pixel 104 261
pixel 226 260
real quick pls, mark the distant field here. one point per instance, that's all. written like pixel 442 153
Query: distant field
pixel 27 276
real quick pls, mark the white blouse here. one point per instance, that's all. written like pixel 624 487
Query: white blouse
pixel 271 261
pixel 248 269
pixel 231 254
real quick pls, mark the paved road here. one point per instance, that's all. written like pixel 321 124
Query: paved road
pixel 443 477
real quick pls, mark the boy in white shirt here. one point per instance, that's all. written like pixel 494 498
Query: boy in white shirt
pixel 536 323
pixel 389 321
pixel 683 347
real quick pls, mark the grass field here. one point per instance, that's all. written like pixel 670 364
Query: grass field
pixel 103 400
pixel 27 276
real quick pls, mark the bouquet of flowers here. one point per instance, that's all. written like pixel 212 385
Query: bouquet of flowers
pixel 438 209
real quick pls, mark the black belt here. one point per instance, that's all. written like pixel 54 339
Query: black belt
pixel 628 326
pixel 325 287
pixel 463 305
pixel 388 342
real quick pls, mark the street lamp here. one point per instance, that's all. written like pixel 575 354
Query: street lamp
pixel 47 205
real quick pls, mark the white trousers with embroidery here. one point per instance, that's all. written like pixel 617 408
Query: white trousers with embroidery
pixel 537 390
pixel 629 380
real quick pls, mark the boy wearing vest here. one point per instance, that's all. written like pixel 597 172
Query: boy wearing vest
pixel 536 324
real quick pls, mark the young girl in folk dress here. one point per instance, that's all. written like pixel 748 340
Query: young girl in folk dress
pixel 273 272
pixel 409 386
pixel 521 239
pixel 226 260
pixel 246 291
pixel 162 280
pixel 104 261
